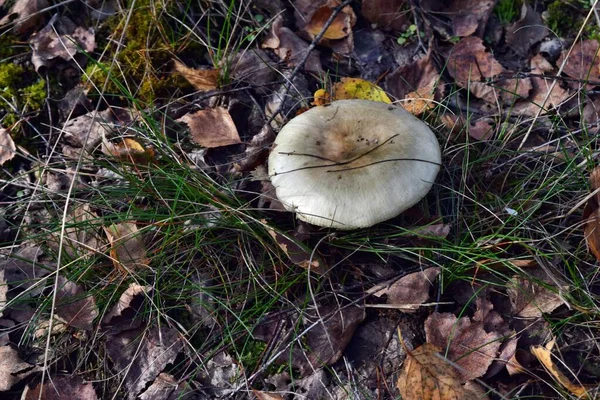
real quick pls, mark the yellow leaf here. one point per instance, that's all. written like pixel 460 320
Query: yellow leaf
pixel 355 88
pixel 127 248
pixel 129 150
pixel 201 79
pixel 321 97
pixel 544 356
pixel 427 375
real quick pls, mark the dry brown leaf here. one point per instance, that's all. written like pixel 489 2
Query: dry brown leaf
pixel 544 355
pixel 583 62
pixel 527 31
pixel 260 395
pixel 539 90
pixel 127 248
pixel 465 342
pixel 531 299
pixel 25 15
pixel 513 366
pixel 469 61
pixel 212 127
pixel 339 28
pixel 142 355
pixel 411 290
pixel 12 368
pixel 469 15
pixel 73 306
pixel 328 339
pixel 591 115
pixel 417 79
pixel 387 14
pixel 297 254
pixel 60 388
pixel 426 375
pixel 481 128
pixel 81 236
pixel 591 216
pixel 130 150
pixel 290 48
pixel 200 79
pixel 60 40
pixel 7 146
pixel 131 299
pixel 166 387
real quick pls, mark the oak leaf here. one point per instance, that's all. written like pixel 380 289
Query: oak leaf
pixel 426 375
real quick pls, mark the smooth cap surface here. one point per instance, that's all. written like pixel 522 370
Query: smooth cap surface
pixel 353 163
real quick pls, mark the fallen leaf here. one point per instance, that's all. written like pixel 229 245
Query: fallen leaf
pixel 544 355
pixel 469 61
pixel 356 88
pixel 260 395
pixel 7 146
pixel 81 234
pixel 591 215
pixel 481 128
pixel 24 270
pixel 75 307
pixel 130 150
pixel 212 127
pixel 426 374
pixel 387 14
pixel 221 372
pixel 434 230
pixel 465 342
pixel 298 254
pixel 531 299
pixel 200 79
pixel 254 67
pixel 12 368
pixel 127 248
pixel 87 131
pixel 311 16
pixel 411 290
pixel 469 15
pixel 141 356
pixel 591 115
pixel 257 150
pixel 61 387
pixel 539 91
pixel 418 83
pixel 166 387
pixel 290 48
pixel 330 336
pixel 321 97
pixel 339 28
pixel 60 40
pixel 25 15
pixel 128 305
pixel 583 63
pixel 527 31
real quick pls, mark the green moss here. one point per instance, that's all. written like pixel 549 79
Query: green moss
pixel 34 96
pixel 560 17
pixel 143 69
pixel 7 46
pixel 10 75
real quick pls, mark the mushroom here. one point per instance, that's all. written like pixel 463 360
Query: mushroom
pixel 353 163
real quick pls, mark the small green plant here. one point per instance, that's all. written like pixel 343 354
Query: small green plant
pixel 408 35
pixel 560 17
pixel 507 11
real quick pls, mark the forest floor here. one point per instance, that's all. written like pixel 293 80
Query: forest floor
pixel 144 253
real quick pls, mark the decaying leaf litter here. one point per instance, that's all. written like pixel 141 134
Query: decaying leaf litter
pixel 145 253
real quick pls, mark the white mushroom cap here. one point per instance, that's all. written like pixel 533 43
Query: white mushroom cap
pixel 353 163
